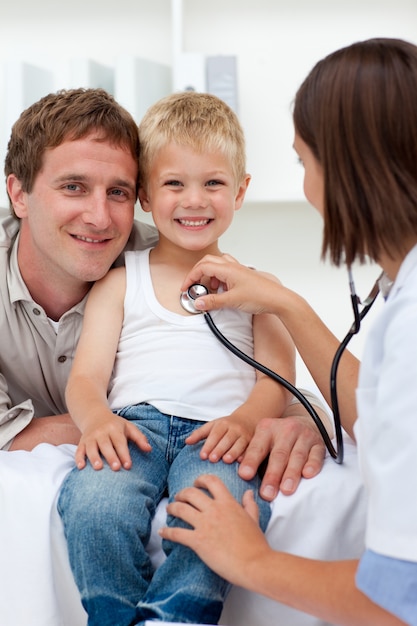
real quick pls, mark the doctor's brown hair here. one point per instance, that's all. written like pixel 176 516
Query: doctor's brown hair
pixel 357 112
pixel 66 115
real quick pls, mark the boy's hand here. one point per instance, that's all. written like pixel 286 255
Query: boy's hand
pixel 108 438
pixel 226 438
pixel 291 446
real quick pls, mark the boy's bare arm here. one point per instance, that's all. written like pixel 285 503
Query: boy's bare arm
pixel 104 435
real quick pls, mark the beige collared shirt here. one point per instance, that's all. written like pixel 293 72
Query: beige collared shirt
pixel 35 356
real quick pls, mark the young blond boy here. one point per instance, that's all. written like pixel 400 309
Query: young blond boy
pixel 157 399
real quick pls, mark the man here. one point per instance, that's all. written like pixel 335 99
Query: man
pixel 71 171
pixel 71 179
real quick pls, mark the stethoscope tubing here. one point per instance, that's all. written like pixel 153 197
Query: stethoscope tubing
pixel 354 329
pixel 337 453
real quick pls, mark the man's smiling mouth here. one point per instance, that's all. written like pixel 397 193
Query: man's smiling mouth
pixel 90 240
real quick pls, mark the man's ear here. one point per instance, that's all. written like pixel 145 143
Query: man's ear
pixel 241 192
pixel 17 195
pixel 144 200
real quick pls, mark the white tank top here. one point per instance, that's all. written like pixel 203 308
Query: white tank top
pixel 174 362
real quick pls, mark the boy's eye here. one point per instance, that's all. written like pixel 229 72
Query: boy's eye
pixel 173 183
pixel 213 183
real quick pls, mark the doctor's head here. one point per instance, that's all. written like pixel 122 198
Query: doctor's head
pixel 355 114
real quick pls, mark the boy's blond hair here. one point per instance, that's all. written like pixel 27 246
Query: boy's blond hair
pixel 200 121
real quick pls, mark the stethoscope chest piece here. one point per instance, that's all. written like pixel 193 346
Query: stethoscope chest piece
pixel 189 297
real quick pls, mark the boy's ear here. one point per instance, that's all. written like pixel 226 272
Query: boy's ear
pixel 144 200
pixel 241 192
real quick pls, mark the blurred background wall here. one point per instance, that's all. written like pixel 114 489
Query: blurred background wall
pixel 258 51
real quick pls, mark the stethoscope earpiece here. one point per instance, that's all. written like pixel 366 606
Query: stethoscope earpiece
pixel 189 297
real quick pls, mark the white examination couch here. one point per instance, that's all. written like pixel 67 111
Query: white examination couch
pixel 324 519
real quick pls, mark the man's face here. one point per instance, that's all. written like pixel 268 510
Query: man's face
pixel 79 214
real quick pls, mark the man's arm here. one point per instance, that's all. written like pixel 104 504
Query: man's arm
pixel 21 430
pixel 54 429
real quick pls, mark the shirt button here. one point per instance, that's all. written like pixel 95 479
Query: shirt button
pixel 36 312
pixel 62 358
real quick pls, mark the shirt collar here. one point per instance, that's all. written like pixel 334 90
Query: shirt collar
pixel 407 266
pixel 16 284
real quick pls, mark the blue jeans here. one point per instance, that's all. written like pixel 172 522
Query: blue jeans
pixel 107 519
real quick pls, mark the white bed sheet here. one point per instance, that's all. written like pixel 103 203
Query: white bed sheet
pixel 324 519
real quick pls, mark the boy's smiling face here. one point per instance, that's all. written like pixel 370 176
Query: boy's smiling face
pixel 192 196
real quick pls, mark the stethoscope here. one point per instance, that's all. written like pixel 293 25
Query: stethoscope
pixel 188 299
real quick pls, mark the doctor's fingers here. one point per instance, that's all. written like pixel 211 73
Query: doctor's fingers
pixel 208 489
pixel 212 267
pixel 216 517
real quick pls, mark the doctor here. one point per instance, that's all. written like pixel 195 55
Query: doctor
pixel 355 119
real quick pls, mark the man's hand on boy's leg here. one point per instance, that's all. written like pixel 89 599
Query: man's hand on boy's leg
pixel 292 448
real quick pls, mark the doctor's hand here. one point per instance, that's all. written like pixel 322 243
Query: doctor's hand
pixel 224 534
pixel 243 288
